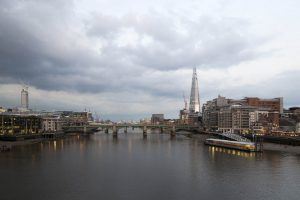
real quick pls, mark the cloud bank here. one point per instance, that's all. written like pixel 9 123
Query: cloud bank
pixel 131 63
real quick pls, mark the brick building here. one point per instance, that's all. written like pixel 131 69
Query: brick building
pixel 241 115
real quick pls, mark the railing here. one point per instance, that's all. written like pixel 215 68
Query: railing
pixel 94 125
pixel 234 137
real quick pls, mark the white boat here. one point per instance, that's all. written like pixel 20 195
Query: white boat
pixel 245 146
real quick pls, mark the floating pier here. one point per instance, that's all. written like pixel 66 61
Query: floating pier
pixel 244 146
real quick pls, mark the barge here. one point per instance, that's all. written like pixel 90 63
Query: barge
pixel 244 146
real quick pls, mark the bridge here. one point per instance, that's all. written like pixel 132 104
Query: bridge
pixel 93 127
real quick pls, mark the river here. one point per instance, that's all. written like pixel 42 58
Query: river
pixel 131 167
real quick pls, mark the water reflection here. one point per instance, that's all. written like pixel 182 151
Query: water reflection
pixel 115 139
pixel 54 145
pixel 155 167
pixel 219 150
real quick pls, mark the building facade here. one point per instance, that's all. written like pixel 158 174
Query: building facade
pixel 234 118
pixel 210 112
pixel 2 110
pixel 13 124
pixel 71 118
pixel 184 116
pixel 298 127
pixel 241 115
pixel 157 118
pixel 51 124
pixel 275 104
pixel 24 98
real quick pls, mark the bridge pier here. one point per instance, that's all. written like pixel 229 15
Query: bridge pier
pixel 145 131
pixel 125 129
pixel 84 129
pixel 161 130
pixel 115 130
pixel 106 130
pixel 173 132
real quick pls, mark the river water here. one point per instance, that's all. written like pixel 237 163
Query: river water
pixel 131 167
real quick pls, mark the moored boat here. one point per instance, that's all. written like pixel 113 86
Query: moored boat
pixel 244 146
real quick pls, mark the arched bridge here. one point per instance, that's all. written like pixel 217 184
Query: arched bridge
pixel 93 127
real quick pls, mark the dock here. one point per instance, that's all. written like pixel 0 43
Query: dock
pixel 243 146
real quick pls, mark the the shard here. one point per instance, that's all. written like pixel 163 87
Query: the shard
pixel 194 99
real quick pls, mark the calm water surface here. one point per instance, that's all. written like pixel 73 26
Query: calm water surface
pixel 130 167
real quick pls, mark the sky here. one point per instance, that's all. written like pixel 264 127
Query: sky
pixel 127 59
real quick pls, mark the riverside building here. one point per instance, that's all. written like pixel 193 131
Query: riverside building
pixel 242 115
pixel 157 118
pixel 2 110
pixel 51 123
pixel 24 98
pixel 20 124
pixel 71 118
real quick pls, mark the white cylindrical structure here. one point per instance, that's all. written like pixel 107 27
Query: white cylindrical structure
pixel 24 98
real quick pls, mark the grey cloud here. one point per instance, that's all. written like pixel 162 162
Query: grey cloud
pixel 180 43
pixel 46 45
pixel 285 85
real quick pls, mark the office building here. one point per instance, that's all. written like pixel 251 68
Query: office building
pixel 20 124
pixel 157 118
pixel 51 123
pixel 24 98
pixel 242 115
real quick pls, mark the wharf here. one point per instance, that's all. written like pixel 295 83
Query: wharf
pixel 243 146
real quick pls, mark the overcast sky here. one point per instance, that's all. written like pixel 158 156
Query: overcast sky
pixel 129 58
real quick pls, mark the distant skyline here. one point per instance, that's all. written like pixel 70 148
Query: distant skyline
pixel 128 59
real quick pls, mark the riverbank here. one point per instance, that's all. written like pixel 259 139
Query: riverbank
pixel 22 137
pixel 8 142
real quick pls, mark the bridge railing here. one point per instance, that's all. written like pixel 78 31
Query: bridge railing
pixel 234 137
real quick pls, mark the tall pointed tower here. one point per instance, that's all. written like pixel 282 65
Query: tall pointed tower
pixel 194 99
